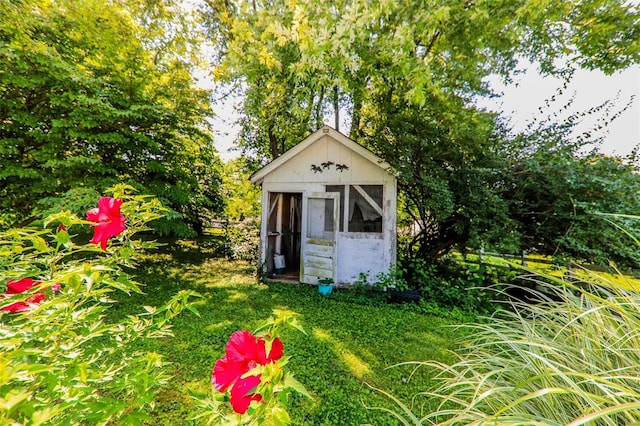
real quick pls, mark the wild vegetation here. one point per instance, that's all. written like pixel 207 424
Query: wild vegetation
pixel 350 340
pixel 570 358
pixel 528 361
pixel 62 363
pixel 94 95
pixel 99 95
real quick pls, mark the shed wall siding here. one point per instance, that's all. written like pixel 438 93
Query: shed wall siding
pixel 298 169
pixel 360 255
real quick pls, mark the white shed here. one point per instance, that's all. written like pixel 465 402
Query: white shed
pixel 328 211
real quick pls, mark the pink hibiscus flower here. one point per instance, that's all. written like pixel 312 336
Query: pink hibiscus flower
pixel 21 286
pixel 108 220
pixel 244 352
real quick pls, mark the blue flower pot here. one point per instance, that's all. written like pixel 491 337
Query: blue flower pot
pixel 325 286
pixel 325 289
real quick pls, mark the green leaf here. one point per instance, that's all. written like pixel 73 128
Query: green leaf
pixel 279 416
pixel 123 283
pixel 64 217
pixel 291 383
pixel 62 237
pixel 13 398
pixel 40 244
pixel 42 416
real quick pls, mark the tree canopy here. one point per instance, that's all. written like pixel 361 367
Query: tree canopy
pixel 408 73
pixel 95 93
pixel 292 57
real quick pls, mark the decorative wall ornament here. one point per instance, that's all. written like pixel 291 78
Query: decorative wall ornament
pixel 327 165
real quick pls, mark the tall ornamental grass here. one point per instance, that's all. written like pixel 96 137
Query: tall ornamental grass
pixel 570 358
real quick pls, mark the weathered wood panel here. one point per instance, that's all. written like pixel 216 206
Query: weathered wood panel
pixel 318 262
pixel 318 272
pixel 361 256
pixel 319 241
pixel 316 249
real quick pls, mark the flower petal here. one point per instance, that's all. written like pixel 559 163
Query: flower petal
pixel 35 298
pixel 92 215
pixel 108 222
pixel 242 394
pixel 225 373
pixel 260 354
pixel 242 347
pixel 20 286
pixel 277 348
pixel 100 235
pixel 109 206
pixel 116 226
pixel 16 307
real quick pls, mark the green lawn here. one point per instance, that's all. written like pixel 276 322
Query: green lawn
pixel 349 342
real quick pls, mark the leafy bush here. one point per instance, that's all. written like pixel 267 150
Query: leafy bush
pixel 62 362
pixel 244 240
pixel 137 117
pixel 446 284
pixel 79 200
pixel 76 200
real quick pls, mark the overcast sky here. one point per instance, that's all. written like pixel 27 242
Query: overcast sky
pixel 521 102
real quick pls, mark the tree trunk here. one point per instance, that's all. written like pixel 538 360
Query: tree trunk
pixel 273 143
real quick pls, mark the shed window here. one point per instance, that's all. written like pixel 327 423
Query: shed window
pixel 320 219
pixel 340 189
pixel 364 209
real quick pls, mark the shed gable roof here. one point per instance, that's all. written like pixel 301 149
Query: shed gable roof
pixel 259 175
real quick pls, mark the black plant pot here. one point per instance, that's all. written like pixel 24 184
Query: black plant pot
pixel 404 296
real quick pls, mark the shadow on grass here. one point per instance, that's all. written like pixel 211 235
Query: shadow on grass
pixel 346 343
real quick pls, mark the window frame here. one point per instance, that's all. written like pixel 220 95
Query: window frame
pixel 345 203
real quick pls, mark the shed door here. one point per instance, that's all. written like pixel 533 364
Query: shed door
pixel 320 236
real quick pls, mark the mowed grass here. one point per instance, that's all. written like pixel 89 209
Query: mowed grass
pixel 350 343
